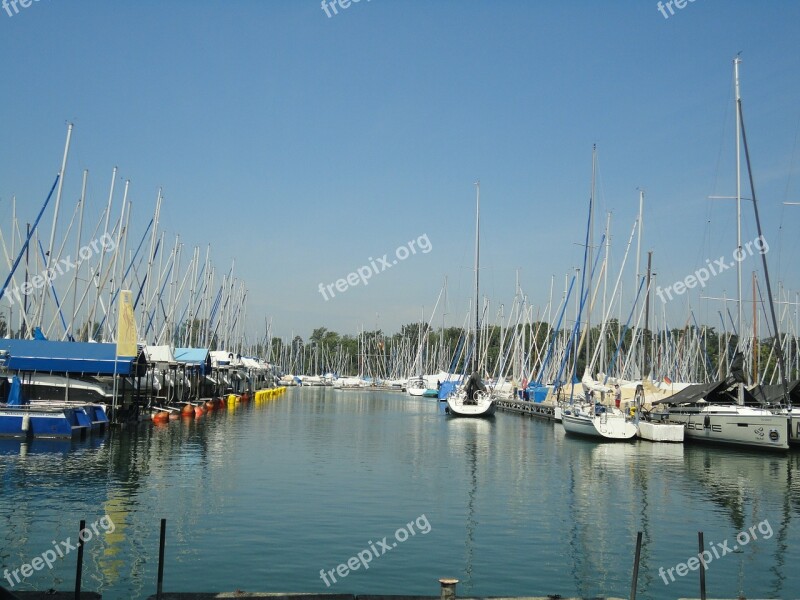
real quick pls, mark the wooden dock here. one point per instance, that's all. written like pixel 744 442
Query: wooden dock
pixel 534 409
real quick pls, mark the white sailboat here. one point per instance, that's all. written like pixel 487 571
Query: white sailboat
pixel 723 411
pixel 599 422
pixel 473 400
pixel 587 417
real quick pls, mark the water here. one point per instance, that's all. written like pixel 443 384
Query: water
pixel 264 497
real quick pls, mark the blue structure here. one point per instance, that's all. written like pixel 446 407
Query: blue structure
pixel 199 357
pixel 74 358
pixel 22 419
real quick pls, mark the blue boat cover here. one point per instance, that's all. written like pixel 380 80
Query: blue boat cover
pixel 15 393
pixel 195 356
pixel 44 356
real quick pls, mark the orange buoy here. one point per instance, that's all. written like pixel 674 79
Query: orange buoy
pixel 187 410
pixel 210 405
pixel 199 411
pixel 160 416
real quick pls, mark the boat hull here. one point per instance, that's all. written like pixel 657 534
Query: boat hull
pixel 604 427
pixel 661 432
pixel 733 425
pixel 25 422
pixel 485 407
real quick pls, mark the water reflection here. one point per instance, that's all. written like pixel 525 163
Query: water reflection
pixel 263 496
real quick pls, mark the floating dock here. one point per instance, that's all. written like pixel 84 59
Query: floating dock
pixel 539 410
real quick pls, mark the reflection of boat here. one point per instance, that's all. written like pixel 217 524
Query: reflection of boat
pixel 472 437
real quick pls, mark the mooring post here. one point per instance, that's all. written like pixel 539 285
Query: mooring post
pixel 636 565
pixel 161 558
pixel 79 568
pixel 448 589
pixel 702 565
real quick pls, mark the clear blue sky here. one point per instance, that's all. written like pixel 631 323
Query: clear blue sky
pixel 302 144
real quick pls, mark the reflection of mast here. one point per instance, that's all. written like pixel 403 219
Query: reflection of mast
pixel 472 452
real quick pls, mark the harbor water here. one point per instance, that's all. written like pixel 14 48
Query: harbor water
pixel 265 496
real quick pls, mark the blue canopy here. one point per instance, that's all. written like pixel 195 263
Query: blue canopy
pixel 78 358
pixel 195 356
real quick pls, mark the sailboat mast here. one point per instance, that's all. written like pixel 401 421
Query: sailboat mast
pixel 739 331
pixel 591 247
pixel 477 280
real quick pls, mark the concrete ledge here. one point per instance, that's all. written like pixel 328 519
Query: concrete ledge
pixel 243 594
pixel 52 595
pixel 279 596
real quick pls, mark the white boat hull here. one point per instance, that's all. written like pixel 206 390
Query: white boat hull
pixel 484 406
pixel 661 432
pixel 737 425
pixel 604 426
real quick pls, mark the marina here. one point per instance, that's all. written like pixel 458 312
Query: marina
pixel 432 300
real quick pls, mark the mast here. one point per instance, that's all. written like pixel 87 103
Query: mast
pixel 739 254
pixel 40 316
pixel 638 260
pixel 778 345
pixel 477 263
pixel 645 343
pixel 70 331
pixel 91 331
pixel 589 262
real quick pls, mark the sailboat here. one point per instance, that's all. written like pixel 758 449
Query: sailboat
pixel 724 411
pixel 588 417
pixel 473 400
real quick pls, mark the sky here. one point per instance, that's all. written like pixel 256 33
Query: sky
pixel 304 145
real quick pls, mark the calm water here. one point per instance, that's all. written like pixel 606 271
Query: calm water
pixel 264 497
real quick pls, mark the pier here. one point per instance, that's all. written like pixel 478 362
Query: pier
pixel 538 410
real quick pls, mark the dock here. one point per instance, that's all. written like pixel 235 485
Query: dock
pixel 538 410
pixel 273 596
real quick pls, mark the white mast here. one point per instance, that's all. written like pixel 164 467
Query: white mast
pixel 739 331
pixel 477 279
pixel 48 260
pixel 90 334
pixel 70 330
